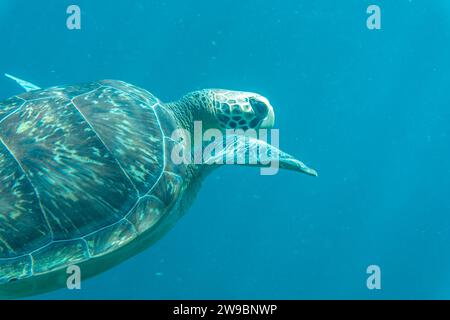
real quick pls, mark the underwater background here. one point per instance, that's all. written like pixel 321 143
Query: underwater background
pixel 369 109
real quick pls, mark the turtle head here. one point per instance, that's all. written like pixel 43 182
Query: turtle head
pixel 238 114
pixel 234 125
pixel 242 110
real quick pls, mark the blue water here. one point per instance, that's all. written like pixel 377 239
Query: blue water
pixel 369 109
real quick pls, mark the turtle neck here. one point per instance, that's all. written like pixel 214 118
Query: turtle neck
pixel 195 106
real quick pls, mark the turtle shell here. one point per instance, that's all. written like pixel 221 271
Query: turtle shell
pixel 82 173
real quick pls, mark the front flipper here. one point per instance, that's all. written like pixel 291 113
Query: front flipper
pixel 248 151
pixel 24 84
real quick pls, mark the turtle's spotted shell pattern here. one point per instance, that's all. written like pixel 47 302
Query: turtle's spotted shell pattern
pixel 83 173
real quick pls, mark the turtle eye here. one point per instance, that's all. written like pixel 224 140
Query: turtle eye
pixel 260 108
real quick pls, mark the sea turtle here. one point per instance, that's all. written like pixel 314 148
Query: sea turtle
pixel 87 177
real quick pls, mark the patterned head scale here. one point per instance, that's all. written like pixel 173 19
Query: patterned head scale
pixel 242 110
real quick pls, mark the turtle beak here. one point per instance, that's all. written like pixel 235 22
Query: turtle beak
pixel 269 121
